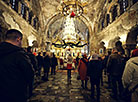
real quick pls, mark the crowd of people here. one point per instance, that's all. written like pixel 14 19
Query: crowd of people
pixel 19 67
pixel 122 73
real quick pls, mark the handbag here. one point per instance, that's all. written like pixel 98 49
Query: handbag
pixel 78 77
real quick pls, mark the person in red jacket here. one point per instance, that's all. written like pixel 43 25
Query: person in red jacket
pixel 82 69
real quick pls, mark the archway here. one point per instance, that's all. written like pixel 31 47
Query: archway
pixel 131 41
pixel 59 21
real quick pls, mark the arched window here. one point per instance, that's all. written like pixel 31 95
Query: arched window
pixel 22 9
pixel 14 4
pixel 123 5
pixel 25 10
pixel 108 19
pixel 30 17
pixel 102 23
pixel 48 35
pixel 114 12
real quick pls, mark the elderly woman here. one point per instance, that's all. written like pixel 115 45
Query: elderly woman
pixel 130 75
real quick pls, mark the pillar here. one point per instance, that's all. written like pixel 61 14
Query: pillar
pixel 110 15
pixel 27 15
pixel 32 21
pixel 19 8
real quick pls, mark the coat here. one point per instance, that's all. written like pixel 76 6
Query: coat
pixel 95 69
pixel 115 65
pixel 54 62
pixel 47 63
pixel 82 69
pixel 33 60
pixel 130 76
pixel 16 72
pixel 40 60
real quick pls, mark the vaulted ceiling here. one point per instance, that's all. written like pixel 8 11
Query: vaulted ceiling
pixel 48 9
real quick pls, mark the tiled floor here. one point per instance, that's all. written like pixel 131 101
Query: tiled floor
pixel 58 89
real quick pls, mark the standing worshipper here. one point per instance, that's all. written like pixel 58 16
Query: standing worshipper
pixel 115 69
pixel 105 68
pixel 47 64
pixel 130 75
pixel 54 63
pixel 95 73
pixel 16 71
pixel 82 69
pixel 32 58
pixel 40 63
pixel 35 66
pixel 69 65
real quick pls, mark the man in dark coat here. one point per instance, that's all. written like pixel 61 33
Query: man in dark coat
pixel 53 64
pixel 47 64
pixel 33 60
pixel 15 69
pixel 115 69
pixel 95 73
pixel 105 68
pixel 40 63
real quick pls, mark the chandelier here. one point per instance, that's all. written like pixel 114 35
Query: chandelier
pixel 74 8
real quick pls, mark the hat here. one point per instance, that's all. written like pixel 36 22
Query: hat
pixel 135 53
pixel 95 57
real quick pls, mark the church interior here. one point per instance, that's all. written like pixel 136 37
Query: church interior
pixel 76 26
pixel 73 27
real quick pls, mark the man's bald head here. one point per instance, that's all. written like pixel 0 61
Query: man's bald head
pixel 13 34
pixel 14 37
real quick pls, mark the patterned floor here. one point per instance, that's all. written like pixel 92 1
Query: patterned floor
pixel 59 89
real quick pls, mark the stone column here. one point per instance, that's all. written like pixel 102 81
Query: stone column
pixel 19 8
pixel 27 14
pixel 37 25
pixel 10 3
pixel 110 14
pixel 118 11
pixel 32 21
pixel 105 21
